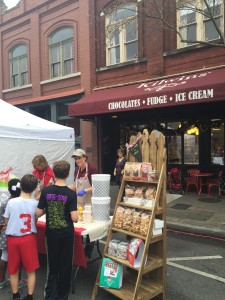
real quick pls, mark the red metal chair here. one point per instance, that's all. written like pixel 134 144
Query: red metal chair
pixel 216 183
pixel 192 179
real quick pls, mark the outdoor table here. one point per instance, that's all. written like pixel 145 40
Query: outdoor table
pixel 200 183
pixel 96 231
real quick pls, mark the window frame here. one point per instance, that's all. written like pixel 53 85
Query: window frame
pixel 62 59
pixel 122 26
pixel 200 24
pixel 19 61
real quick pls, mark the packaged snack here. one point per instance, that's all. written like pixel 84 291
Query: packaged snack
pixel 153 176
pixel 122 250
pixel 127 171
pixel 138 193
pixel 146 168
pixel 136 171
pixel 129 191
pixel 135 252
pixel 113 246
pixel 150 193
pixel 136 222
pixel 118 221
pixel 144 227
pixel 127 219
pixel 111 274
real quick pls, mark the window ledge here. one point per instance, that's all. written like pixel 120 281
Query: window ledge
pixel 17 88
pixel 127 63
pixel 61 78
pixel 187 49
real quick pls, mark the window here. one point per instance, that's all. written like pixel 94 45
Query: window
pixel 217 145
pixel 121 34
pixel 196 21
pixel 61 52
pixel 174 145
pixel 215 11
pixel 18 66
pixel 191 146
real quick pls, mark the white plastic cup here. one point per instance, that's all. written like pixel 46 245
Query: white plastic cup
pixel 87 218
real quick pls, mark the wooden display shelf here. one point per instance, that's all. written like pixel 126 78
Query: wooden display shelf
pixel 142 181
pixel 148 289
pixel 130 233
pixel 153 262
pixel 148 280
pixel 142 207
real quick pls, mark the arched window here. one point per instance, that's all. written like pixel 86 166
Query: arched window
pixel 18 66
pixel 122 34
pixel 61 52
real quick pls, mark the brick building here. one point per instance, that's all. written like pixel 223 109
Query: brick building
pixel 45 59
pixel 147 77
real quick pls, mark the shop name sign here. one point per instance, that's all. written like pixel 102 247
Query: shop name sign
pixel 168 98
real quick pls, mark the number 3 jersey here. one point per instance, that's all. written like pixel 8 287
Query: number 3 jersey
pixel 21 215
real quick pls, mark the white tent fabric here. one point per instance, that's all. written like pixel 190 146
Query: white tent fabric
pixel 23 135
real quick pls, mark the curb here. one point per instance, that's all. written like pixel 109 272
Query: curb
pixel 211 233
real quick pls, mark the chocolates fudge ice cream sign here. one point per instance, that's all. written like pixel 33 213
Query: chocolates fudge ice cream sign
pixel 186 89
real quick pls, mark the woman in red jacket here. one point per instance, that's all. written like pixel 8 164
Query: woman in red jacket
pixel 43 172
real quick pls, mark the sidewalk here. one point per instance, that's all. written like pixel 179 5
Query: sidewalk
pixel 205 216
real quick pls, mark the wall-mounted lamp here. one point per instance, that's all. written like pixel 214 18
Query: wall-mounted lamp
pixel 102 13
pixel 114 117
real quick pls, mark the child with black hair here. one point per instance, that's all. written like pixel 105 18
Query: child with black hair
pixel 21 232
pixel 14 190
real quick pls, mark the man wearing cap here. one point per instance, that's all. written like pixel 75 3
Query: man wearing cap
pixel 82 185
pixel 82 177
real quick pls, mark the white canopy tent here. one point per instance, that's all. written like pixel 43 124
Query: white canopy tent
pixel 23 135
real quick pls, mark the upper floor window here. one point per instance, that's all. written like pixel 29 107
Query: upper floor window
pixel 198 20
pixel 121 34
pixel 18 66
pixel 61 52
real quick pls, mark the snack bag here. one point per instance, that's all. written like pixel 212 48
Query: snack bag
pixel 146 168
pixel 145 219
pixel 118 220
pixel 150 193
pixel 136 171
pixel 111 275
pixel 139 192
pixel 127 219
pixel 127 171
pixel 133 250
pixel 136 222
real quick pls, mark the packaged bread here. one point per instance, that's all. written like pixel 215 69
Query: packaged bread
pixel 150 193
pixel 136 223
pixel 139 192
pixel 136 171
pixel 118 220
pixel 127 219
pixel 144 227
pixel 129 191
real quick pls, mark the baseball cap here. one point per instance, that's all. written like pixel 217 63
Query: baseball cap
pixel 79 152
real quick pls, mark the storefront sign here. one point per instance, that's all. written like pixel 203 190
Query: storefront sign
pixel 205 86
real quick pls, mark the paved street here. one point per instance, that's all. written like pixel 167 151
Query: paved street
pixel 195 271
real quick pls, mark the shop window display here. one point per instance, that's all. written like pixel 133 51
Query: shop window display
pixel 191 146
pixel 174 145
pixel 217 145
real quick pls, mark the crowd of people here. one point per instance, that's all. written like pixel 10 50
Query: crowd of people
pixel 44 191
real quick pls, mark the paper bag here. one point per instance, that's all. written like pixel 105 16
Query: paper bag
pixel 111 274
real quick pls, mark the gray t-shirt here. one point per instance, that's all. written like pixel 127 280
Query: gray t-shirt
pixel 21 215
